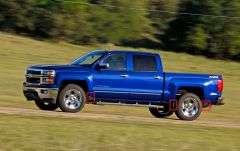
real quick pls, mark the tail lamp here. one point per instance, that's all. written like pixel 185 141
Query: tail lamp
pixel 220 85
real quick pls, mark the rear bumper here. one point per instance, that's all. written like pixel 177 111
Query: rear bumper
pixel 220 101
pixel 33 93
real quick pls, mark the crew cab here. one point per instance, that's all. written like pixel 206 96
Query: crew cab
pixel 122 78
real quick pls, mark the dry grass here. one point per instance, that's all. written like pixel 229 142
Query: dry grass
pixel 17 52
pixel 73 134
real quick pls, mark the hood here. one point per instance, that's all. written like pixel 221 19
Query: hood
pixel 58 67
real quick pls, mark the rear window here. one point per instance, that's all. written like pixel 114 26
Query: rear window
pixel 144 63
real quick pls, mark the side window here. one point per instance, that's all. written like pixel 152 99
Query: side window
pixel 144 63
pixel 116 62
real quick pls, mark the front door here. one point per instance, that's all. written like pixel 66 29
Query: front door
pixel 112 82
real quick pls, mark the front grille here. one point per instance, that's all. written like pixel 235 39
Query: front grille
pixel 33 80
pixel 39 76
pixel 33 76
pixel 34 72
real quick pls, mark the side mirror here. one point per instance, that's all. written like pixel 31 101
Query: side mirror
pixel 102 65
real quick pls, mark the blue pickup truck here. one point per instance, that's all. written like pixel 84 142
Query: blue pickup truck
pixel 122 78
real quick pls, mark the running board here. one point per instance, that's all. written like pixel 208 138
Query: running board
pixel 125 104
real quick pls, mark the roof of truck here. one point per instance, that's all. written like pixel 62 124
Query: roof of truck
pixel 131 51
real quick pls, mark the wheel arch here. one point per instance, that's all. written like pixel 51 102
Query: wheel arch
pixel 197 90
pixel 82 83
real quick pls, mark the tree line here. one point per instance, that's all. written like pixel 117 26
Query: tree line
pixel 204 27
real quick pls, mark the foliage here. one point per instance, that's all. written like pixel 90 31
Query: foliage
pixel 162 12
pixel 216 35
pixel 148 23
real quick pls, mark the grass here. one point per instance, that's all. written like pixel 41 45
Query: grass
pixel 16 53
pixel 31 132
pixel 72 134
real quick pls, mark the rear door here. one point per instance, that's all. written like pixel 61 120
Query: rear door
pixel 146 79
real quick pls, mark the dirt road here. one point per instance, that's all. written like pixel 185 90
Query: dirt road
pixel 23 111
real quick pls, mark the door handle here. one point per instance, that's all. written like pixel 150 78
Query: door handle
pixel 157 77
pixel 124 75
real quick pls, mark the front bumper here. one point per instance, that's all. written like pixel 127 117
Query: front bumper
pixel 34 93
pixel 220 101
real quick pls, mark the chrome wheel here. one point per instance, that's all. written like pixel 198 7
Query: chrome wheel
pixel 190 107
pixel 73 99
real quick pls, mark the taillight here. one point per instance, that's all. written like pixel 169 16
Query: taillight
pixel 220 85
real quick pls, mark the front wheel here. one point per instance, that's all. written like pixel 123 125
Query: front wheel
pixel 71 98
pixel 189 107
pixel 160 112
pixel 46 105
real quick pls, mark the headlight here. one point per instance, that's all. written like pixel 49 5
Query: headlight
pixel 50 73
pixel 48 77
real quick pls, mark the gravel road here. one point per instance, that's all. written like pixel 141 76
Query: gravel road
pixel 24 111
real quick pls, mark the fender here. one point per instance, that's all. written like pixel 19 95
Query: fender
pixel 75 75
pixel 173 84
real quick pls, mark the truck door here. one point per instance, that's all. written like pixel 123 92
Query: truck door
pixel 112 82
pixel 146 78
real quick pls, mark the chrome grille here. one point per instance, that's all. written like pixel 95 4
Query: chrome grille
pixel 35 72
pixel 33 76
pixel 33 80
pixel 39 76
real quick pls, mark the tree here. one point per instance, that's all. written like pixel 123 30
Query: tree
pixel 162 12
pixel 207 27
pixel 12 16
pixel 214 35
pixel 118 23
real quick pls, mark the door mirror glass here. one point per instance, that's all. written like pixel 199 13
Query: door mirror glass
pixel 103 65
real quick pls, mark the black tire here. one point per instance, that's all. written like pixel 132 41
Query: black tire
pixel 192 108
pixel 160 113
pixel 46 105
pixel 72 98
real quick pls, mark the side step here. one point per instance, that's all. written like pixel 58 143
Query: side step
pixel 125 104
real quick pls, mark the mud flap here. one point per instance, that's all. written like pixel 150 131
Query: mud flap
pixel 172 105
pixel 90 98
pixel 206 104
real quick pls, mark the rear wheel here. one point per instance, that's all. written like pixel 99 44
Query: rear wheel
pixel 189 107
pixel 72 98
pixel 46 105
pixel 160 112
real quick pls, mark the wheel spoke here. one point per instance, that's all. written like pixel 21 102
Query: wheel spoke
pixel 73 99
pixel 190 107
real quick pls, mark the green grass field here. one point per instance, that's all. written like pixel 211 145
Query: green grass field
pixel 49 133
pixel 45 133
pixel 16 53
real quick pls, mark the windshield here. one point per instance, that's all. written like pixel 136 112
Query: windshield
pixel 88 59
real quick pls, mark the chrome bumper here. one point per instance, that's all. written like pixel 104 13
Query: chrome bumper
pixel 220 101
pixel 47 94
